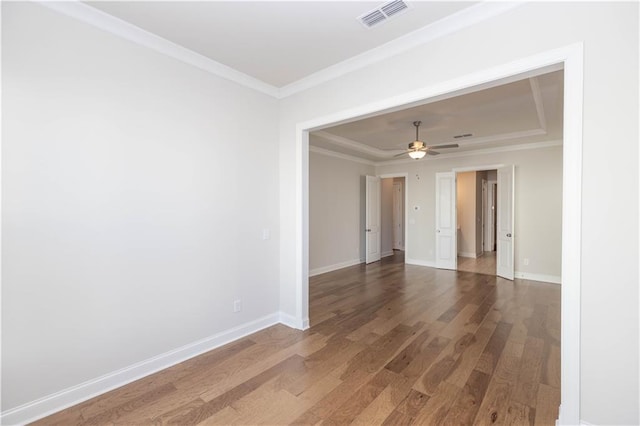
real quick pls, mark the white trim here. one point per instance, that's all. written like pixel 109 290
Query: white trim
pixel 386 254
pixel 571 234
pixel 448 25
pixel 571 57
pixel 552 279
pixel 419 262
pixel 387 155
pixel 537 99
pixel 334 267
pixel 468 254
pixel 65 398
pixel 521 147
pixel 123 29
pixel 340 155
pixel 293 322
pixel 501 137
pixel 405 176
pixel 477 169
pixel 356 146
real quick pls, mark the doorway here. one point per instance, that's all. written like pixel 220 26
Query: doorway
pixel 570 59
pixel 392 215
pixel 386 209
pixel 476 193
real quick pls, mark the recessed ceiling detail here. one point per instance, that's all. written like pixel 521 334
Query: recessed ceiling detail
pixel 525 112
pixel 382 13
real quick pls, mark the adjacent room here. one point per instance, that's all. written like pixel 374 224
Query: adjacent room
pixel 243 212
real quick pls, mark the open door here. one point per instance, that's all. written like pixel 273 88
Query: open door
pixel 372 219
pixel 505 238
pixel 446 236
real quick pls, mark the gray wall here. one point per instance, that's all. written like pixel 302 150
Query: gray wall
pixel 336 211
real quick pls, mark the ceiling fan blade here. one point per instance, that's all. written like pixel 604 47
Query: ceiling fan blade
pixel 451 145
pixel 400 155
pixel 431 152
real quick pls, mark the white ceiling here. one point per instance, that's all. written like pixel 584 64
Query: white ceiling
pixel 277 42
pixel 526 111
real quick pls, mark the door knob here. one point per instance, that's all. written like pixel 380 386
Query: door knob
pixel 438 231
pixel 509 235
pixel 368 230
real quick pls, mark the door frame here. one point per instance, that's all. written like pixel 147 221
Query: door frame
pixel 406 207
pixel 371 228
pixel 481 168
pixel 394 216
pixel 489 216
pixel 570 58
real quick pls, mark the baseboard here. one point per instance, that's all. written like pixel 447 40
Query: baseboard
pixel 468 254
pixel 387 254
pixel 552 279
pixel 419 262
pixel 65 398
pixel 334 267
pixel 293 322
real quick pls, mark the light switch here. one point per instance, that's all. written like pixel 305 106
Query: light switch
pixel 266 234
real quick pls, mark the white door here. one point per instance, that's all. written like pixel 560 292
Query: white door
pixel 505 238
pixel 446 237
pixel 398 217
pixel 372 219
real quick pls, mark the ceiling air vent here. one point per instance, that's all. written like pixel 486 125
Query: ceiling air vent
pixel 466 135
pixel 382 13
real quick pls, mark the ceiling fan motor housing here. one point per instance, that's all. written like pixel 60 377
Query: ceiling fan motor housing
pixel 416 145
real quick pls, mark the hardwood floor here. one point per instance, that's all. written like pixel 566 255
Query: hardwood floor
pixel 485 264
pixel 389 344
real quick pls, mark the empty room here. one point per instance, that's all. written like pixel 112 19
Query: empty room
pixel 294 212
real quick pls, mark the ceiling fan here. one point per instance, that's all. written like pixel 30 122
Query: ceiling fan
pixel 419 149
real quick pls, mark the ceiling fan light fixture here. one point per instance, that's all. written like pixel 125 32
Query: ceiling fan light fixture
pixel 416 155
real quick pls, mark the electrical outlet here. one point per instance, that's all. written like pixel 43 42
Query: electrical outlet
pixel 526 261
pixel 237 305
pixel 266 234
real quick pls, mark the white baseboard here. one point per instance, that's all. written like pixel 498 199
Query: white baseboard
pixel 334 267
pixel 387 254
pixel 553 279
pixel 468 254
pixel 74 395
pixel 293 322
pixel 429 263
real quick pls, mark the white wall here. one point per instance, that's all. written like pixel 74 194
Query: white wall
pixel 336 212
pixel 132 147
pixel 132 214
pixel 608 31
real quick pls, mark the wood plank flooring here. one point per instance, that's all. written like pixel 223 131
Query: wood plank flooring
pixel 390 344
pixel 485 264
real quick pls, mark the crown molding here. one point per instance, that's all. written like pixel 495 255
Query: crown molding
pixel 123 29
pixel 521 147
pixel 387 155
pixel 445 26
pixel 341 156
pixel 500 137
pixel 450 24
pixel 356 146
